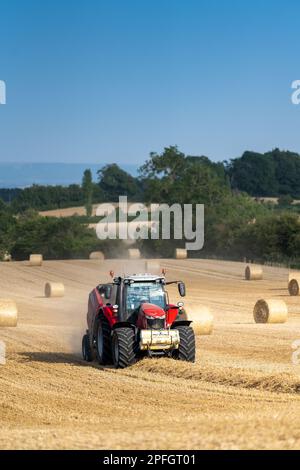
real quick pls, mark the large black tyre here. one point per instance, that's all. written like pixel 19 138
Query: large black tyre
pixel 103 341
pixel 86 349
pixel 124 347
pixel 187 346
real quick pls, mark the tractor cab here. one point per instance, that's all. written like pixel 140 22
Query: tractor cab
pixel 143 289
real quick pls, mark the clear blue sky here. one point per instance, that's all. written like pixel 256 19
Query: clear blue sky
pixel 111 80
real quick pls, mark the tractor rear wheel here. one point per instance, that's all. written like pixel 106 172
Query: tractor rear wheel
pixel 86 349
pixel 103 341
pixel 124 347
pixel 187 347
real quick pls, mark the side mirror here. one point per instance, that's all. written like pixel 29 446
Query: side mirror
pixel 181 289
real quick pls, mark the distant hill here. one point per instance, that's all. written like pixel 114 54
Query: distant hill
pixel 21 175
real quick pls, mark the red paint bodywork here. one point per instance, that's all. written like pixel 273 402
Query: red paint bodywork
pixel 149 310
pixel 172 312
pixel 95 305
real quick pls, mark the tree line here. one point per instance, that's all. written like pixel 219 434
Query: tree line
pixel 236 225
pixel 272 174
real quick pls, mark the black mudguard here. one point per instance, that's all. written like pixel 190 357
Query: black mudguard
pixel 123 324
pixel 181 323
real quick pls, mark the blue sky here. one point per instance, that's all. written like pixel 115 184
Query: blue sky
pixel 111 80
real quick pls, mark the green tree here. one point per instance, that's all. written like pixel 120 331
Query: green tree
pixel 273 173
pixel 7 224
pixel 87 187
pixel 285 200
pixel 274 237
pixel 116 182
pixel 54 238
pixel 47 197
pixel 172 177
pixel 254 174
pixel 287 170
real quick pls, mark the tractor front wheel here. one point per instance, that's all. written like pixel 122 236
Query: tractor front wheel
pixel 187 347
pixel 124 347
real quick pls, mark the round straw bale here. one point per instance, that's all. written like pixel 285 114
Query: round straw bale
pixel 7 257
pixel 180 253
pixel 202 318
pixel 54 289
pixel 294 285
pixel 97 255
pixel 36 260
pixel 253 272
pixel 134 253
pixel 270 311
pixel 152 267
pixel 8 313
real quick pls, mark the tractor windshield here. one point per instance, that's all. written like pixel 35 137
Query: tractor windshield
pixel 141 292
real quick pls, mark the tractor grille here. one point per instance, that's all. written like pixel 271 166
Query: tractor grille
pixel 156 323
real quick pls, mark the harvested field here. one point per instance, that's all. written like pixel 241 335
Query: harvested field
pixel 68 211
pixel 243 392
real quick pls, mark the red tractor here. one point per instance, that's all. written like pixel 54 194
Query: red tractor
pixel 131 317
